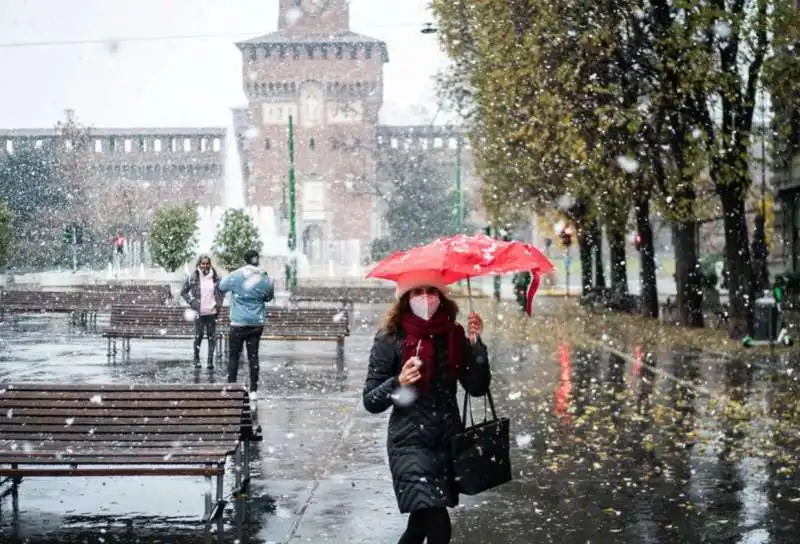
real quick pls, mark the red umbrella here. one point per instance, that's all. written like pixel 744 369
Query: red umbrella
pixel 463 257
pixel 456 258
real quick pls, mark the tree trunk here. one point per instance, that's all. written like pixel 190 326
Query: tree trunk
pixel 759 253
pixel 649 291
pixel 619 270
pixel 597 254
pixel 687 274
pixel 585 255
pixel 737 259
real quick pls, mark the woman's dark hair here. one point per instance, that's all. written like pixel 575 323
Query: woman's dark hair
pixel 390 323
pixel 201 258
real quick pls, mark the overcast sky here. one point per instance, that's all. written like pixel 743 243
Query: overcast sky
pixel 182 81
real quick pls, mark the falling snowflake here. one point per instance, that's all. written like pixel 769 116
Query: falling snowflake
pixel 523 440
pixel 629 164
pixel 404 396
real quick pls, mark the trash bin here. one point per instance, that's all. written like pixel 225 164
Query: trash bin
pixel 765 326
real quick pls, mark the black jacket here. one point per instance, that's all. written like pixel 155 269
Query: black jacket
pixel 191 290
pixel 419 435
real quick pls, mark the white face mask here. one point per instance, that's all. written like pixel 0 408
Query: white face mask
pixel 424 306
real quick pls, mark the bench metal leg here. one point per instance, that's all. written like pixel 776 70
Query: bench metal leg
pixel 214 509
pixel 14 492
pixel 340 354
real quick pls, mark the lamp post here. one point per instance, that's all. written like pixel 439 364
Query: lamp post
pixel 459 194
pixel 428 28
pixel 291 267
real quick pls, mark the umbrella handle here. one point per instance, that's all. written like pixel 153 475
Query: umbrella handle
pixel 469 301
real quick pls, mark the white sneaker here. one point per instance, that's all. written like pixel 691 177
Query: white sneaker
pixel 253 396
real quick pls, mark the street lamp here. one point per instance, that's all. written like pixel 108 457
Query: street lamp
pixel 428 28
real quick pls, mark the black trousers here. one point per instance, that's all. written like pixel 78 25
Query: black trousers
pixel 205 325
pixel 249 338
pixel 431 523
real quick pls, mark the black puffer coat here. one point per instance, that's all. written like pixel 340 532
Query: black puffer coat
pixel 418 441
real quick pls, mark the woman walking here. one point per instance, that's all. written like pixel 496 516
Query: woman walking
pixel 201 291
pixel 418 357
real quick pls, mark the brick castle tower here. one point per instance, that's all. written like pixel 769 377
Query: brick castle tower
pixel 330 80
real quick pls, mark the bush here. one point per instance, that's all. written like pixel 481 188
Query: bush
pixel 173 236
pixel 236 234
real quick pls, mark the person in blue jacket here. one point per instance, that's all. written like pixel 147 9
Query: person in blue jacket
pixel 250 289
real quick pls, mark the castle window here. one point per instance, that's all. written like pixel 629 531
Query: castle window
pixel 216 145
pixel 128 145
pixel 368 51
pixel 203 144
pixel 267 144
pixel 142 145
pixel 157 146
pixel 98 145
pixel 354 52
pixel 187 145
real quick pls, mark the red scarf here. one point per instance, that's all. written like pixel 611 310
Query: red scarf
pixel 420 334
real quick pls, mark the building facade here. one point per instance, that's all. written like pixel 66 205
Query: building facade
pixel 329 79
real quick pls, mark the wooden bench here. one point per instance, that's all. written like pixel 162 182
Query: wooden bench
pixel 54 430
pixel 26 302
pixel 82 305
pixel 162 291
pixel 344 294
pixel 93 303
pixel 170 323
pixel 150 322
pixel 301 324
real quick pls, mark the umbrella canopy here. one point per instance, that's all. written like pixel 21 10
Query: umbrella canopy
pixel 462 257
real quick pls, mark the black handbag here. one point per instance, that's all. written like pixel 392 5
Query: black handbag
pixel 481 453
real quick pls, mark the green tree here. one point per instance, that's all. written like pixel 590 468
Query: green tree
pixel 236 234
pixel 421 200
pixel 5 235
pixel 37 200
pixel 173 236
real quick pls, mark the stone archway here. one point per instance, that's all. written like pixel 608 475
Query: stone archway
pixel 313 243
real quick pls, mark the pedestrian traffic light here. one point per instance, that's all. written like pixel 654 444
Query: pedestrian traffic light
pixel 67 234
pixel 78 235
pixel 637 242
pixel 566 237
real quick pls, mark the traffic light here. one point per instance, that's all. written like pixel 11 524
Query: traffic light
pixel 566 237
pixel 548 243
pixel 78 235
pixel 637 242
pixel 487 230
pixel 67 234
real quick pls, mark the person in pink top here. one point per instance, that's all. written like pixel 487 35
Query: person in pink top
pixel 201 291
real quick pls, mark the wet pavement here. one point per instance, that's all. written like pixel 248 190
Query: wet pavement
pixel 680 447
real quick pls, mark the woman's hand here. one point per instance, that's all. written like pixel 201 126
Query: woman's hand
pixel 474 326
pixel 410 374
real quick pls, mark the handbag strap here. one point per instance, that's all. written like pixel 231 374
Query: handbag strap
pixel 467 404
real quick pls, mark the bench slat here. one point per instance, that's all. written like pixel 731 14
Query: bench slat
pixel 166 438
pixel 79 404
pixel 131 419
pixel 121 412
pixel 182 427
pixel 113 458
pixel 230 389
pixel 168 398
pixel 116 471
